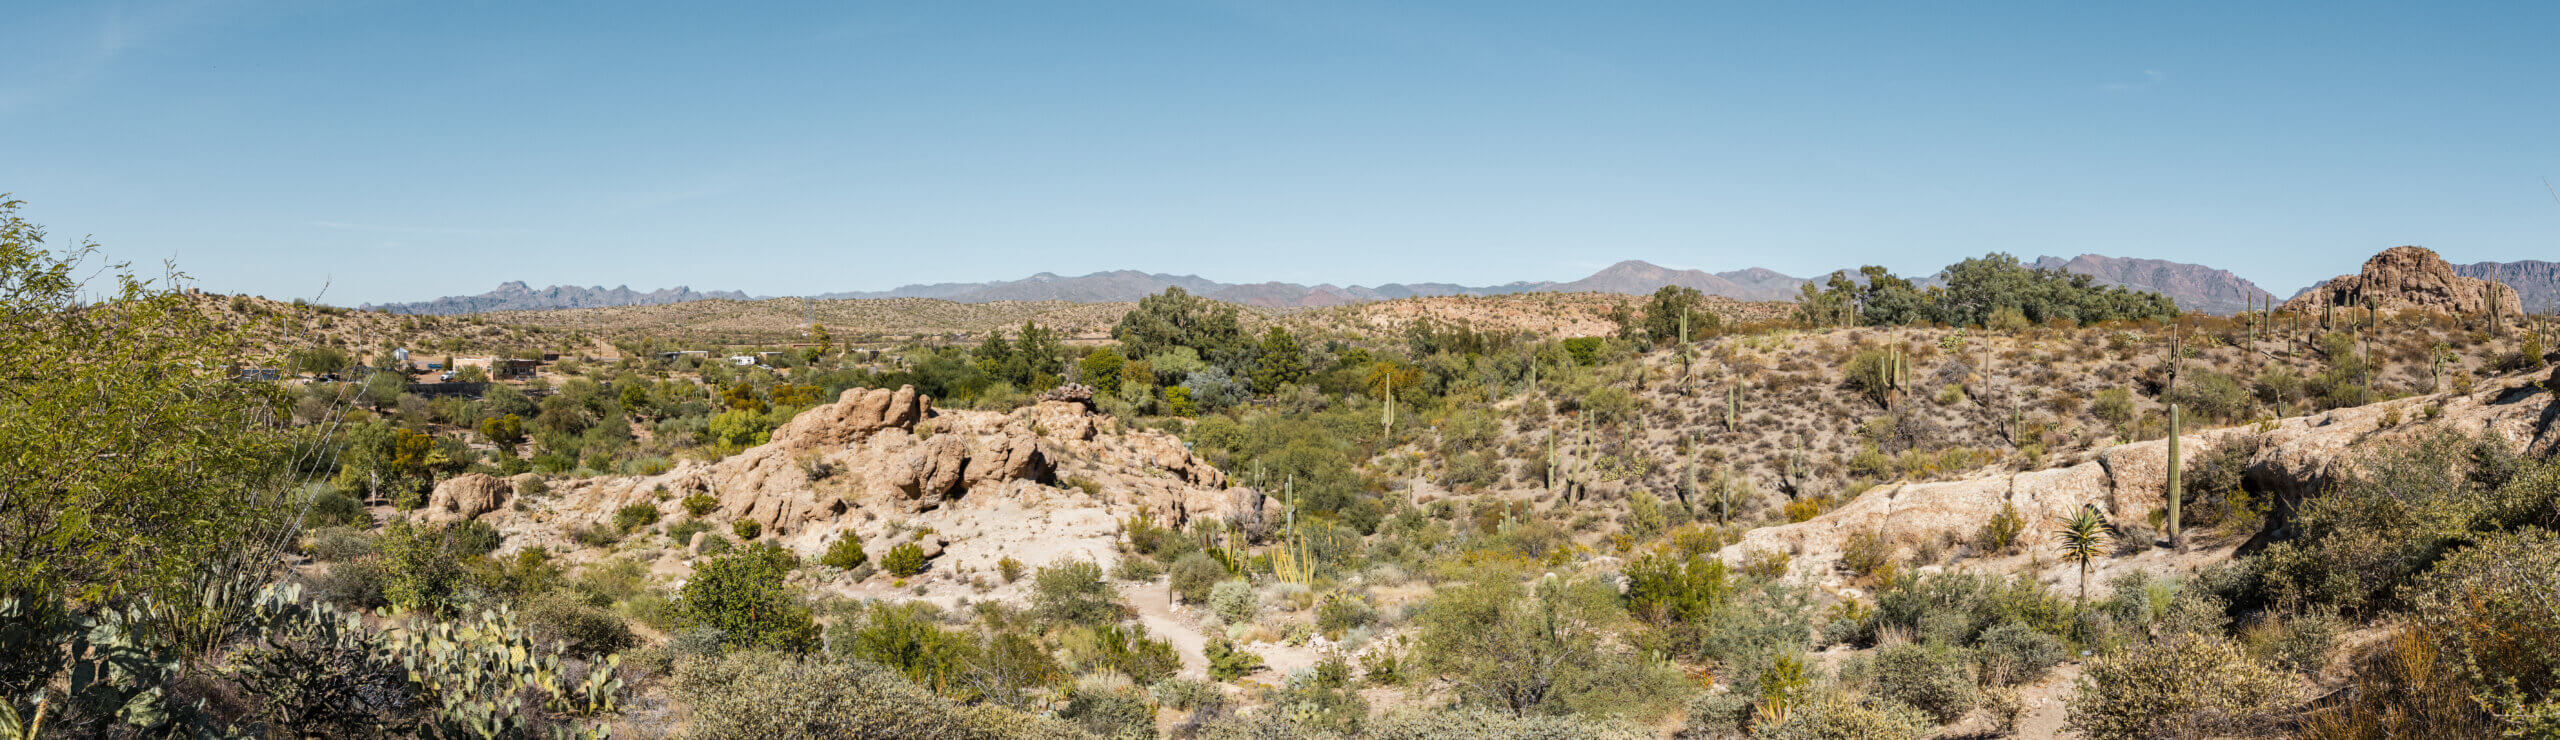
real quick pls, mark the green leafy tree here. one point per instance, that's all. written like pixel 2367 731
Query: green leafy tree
pixel 1663 313
pixel 744 597
pixel 1540 649
pixel 504 430
pixel 1176 318
pixel 1279 361
pixel 132 457
pixel 1101 369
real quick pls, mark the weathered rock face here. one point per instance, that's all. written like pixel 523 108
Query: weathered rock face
pixel 2410 278
pixel 1051 480
pixel 466 497
pixel 2298 456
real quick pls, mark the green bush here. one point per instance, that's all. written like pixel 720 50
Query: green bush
pixel 1138 569
pixel 747 529
pixel 1194 575
pixel 472 538
pixel 1836 717
pixel 597 534
pixel 632 518
pixel 418 572
pixel 337 544
pixel 1234 601
pixel 1109 706
pixel 845 553
pixel 744 596
pixel 331 508
pixel 700 504
pixel 1074 592
pixel 576 627
pixel 2490 609
pixel 1227 661
pixel 2178 688
pixel 904 638
pixel 2014 653
pixel 1542 650
pixel 763 694
pixel 1937 679
pixel 904 560
pixel 1477 722
pixel 1342 610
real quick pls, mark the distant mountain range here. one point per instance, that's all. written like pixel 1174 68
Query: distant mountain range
pixel 2196 287
pixel 516 296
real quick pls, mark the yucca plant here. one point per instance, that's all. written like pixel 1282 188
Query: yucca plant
pixel 2084 538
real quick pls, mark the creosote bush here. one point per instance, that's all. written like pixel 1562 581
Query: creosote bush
pixel 905 560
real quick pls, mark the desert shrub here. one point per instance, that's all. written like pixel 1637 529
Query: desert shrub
pixel 1234 601
pixel 1540 650
pixel 2014 653
pixel 596 534
pixel 2210 395
pixel 2301 644
pixel 2001 530
pixel 471 539
pixel 337 544
pixel 1187 694
pixel 576 627
pixel 2177 688
pixel 1228 661
pixel 764 694
pixel 904 638
pixel 845 553
pixel 1836 717
pixel 1343 610
pixel 2408 506
pixel 744 596
pixel 1194 575
pixel 1074 592
pixel 1010 568
pixel 632 518
pixel 747 529
pixel 352 583
pixel 1667 590
pixel 418 572
pixel 700 504
pixel 2115 407
pixel 1137 569
pixel 1454 724
pixel 905 560
pixel 332 508
pixel 1935 678
pixel 2490 609
pixel 1866 553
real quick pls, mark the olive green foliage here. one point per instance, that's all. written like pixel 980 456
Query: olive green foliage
pixel 1465 723
pixel 1074 592
pixel 1194 574
pixel 1538 648
pixel 1936 678
pixel 1228 662
pixel 1830 716
pixel 132 457
pixel 2014 653
pixel 1663 312
pixel 635 516
pixel 2494 610
pixel 845 553
pixel 1178 319
pixel 904 560
pixel 747 529
pixel 744 597
pixel 700 504
pixel 418 572
pixel 1109 705
pixel 576 626
pixel 1977 289
pixel 1234 600
pixel 904 638
pixel 1665 589
pixel 2408 506
pixel 765 694
pixel 2178 688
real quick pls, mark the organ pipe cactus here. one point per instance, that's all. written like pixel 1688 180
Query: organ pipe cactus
pixel 2176 491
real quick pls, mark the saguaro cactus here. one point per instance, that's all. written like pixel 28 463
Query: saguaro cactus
pixel 2176 491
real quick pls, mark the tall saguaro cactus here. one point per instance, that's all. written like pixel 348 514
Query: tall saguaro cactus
pixel 2176 490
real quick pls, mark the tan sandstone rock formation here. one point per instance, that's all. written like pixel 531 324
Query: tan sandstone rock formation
pixel 2299 456
pixel 466 497
pixel 1048 481
pixel 2410 278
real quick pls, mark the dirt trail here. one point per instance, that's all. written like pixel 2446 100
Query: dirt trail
pixel 1154 602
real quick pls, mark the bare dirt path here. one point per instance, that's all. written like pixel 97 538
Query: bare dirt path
pixel 1154 602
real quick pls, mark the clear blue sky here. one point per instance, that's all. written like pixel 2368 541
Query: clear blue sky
pixel 410 150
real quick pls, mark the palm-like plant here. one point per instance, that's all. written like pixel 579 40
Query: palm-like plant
pixel 2084 537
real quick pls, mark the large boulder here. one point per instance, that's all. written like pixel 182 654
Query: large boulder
pixel 467 496
pixel 2410 278
pixel 856 414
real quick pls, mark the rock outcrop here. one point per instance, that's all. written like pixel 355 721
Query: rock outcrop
pixel 466 497
pixel 2402 278
pixel 2297 456
pixel 1047 481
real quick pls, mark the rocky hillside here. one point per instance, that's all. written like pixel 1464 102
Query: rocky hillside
pixel 517 296
pixel 2410 278
pixel 2196 287
pixel 1046 482
pixel 2537 282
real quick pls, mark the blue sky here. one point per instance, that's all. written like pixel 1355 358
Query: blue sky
pixel 400 151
